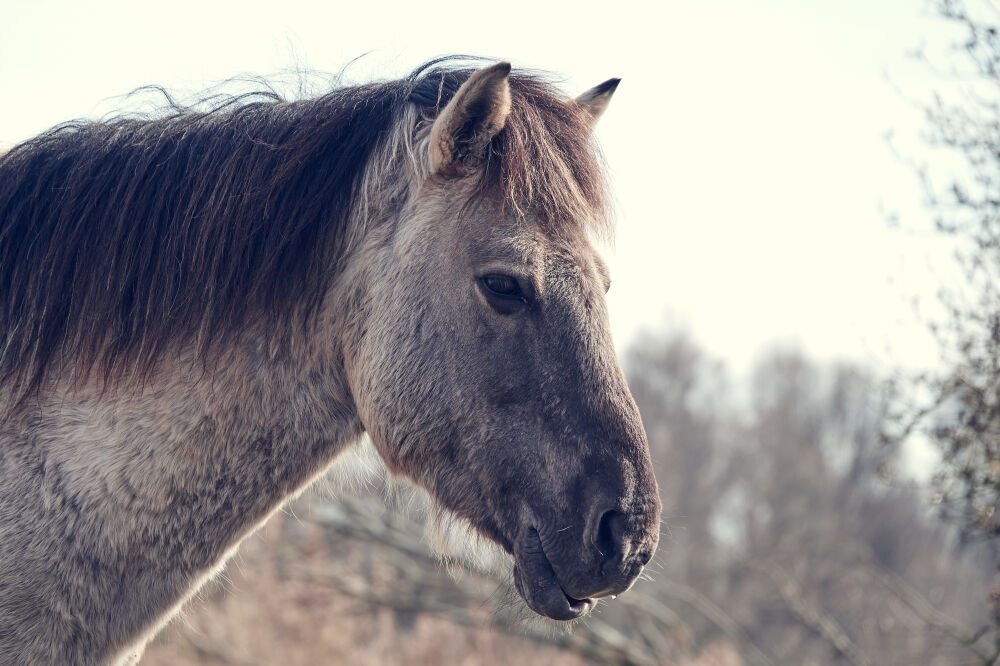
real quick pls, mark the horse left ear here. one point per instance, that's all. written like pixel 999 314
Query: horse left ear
pixel 463 130
pixel 595 100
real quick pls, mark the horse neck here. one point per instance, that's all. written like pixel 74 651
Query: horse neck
pixel 277 403
pixel 256 422
pixel 152 486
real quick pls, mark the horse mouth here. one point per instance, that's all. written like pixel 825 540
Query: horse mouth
pixel 536 582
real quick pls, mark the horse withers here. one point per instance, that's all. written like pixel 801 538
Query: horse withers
pixel 200 311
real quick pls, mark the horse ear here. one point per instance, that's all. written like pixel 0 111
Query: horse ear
pixel 477 112
pixel 595 100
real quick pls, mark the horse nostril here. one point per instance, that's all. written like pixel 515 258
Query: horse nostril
pixel 610 531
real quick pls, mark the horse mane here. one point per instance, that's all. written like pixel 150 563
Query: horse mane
pixel 121 237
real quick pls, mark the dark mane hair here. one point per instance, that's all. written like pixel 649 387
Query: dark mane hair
pixel 121 237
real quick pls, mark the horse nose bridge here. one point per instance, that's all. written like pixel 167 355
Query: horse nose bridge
pixel 621 470
pixel 584 369
pixel 609 403
pixel 612 420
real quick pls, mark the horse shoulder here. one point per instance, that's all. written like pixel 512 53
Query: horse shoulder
pixel 116 509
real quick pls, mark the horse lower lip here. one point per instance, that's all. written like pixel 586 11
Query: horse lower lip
pixel 537 583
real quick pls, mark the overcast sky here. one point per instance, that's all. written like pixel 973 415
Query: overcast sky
pixel 746 141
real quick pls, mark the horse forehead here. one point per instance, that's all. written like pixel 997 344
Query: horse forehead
pixel 523 240
pixel 575 261
pixel 570 265
pixel 520 248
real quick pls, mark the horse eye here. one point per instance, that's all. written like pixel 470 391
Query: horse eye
pixel 502 285
pixel 503 293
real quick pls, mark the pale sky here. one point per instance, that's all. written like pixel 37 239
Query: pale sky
pixel 746 141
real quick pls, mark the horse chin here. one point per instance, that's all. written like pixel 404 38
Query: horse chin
pixel 537 584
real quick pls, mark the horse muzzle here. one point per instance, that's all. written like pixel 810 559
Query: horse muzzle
pixel 611 571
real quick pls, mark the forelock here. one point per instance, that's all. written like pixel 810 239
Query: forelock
pixel 544 161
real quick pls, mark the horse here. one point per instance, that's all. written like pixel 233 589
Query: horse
pixel 201 309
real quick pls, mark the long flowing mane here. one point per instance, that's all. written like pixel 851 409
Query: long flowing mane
pixel 122 237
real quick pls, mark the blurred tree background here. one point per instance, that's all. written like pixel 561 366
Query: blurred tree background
pixel 957 406
pixel 793 530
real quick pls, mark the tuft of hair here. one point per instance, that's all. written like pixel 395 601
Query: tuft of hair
pixel 461 548
pixel 356 469
pixel 125 237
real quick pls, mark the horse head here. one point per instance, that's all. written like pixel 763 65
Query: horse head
pixel 480 356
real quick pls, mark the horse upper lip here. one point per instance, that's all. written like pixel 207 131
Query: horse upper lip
pixel 536 581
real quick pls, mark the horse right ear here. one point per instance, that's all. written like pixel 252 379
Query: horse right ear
pixel 462 132
pixel 595 100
